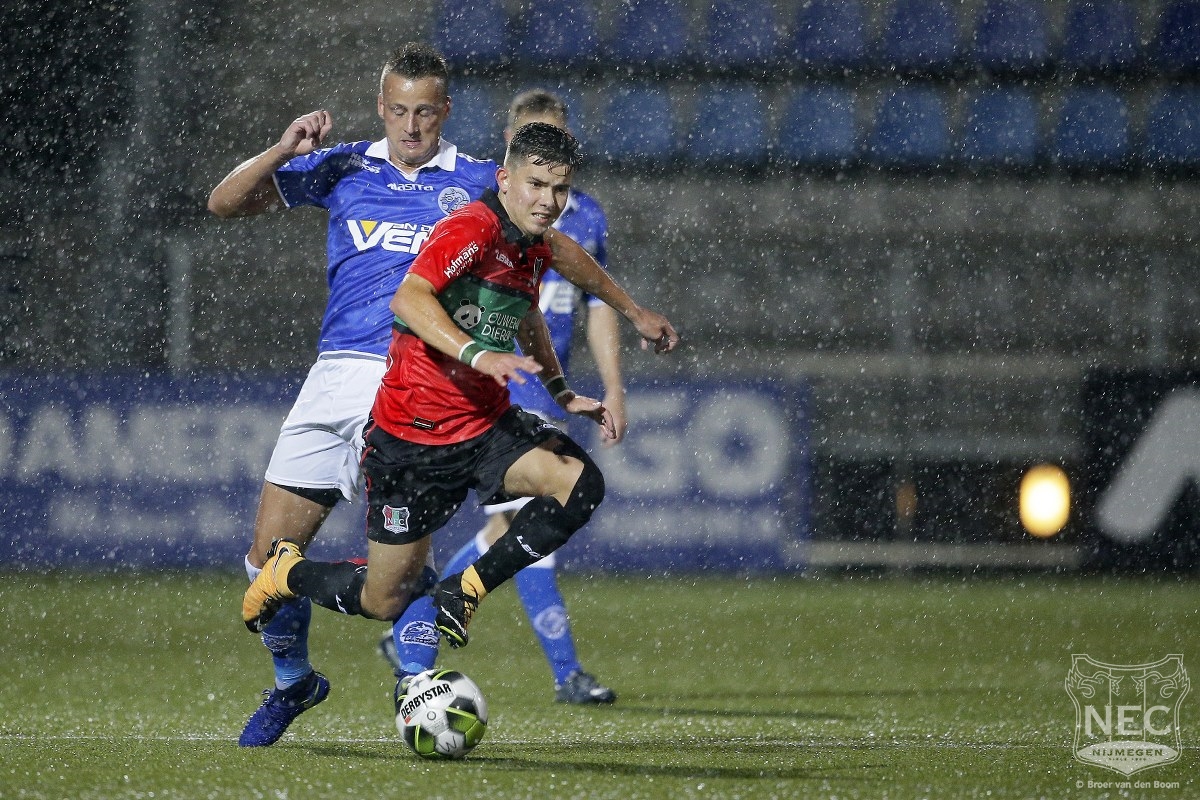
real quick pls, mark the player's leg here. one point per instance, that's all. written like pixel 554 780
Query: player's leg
pixel 313 466
pixel 410 645
pixel 298 687
pixel 566 486
pixel 537 588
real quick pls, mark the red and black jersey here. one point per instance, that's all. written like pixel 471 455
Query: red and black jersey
pixel 487 275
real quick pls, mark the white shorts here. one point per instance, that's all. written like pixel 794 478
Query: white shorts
pixel 320 443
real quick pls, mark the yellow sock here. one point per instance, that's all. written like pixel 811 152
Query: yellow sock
pixel 473 583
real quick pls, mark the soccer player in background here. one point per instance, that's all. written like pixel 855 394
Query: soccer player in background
pixel 537 585
pixel 442 422
pixel 382 198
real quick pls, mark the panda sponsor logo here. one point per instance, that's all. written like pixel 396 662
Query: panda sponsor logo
pixel 452 198
pixel 468 315
pixel 413 703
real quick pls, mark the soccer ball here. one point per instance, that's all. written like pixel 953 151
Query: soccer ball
pixel 442 715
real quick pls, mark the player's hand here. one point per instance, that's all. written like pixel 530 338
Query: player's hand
pixel 615 403
pixel 306 133
pixel 505 367
pixel 655 330
pixel 593 410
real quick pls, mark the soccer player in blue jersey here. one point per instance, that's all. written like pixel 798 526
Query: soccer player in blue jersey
pixel 537 586
pixel 382 200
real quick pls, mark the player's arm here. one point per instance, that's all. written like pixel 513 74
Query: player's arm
pixel 250 188
pixel 416 302
pixel 604 340
pixel 533 336
pixel 577 265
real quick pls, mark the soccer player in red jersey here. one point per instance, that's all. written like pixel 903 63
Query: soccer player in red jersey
pixel 442 422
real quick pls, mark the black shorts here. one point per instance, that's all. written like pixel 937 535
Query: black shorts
pixel 414 489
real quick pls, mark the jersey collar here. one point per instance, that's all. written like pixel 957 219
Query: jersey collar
pixel 446 157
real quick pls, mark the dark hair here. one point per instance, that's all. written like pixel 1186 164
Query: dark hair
pixel 544 144
pixel 415 60
pixel 535 103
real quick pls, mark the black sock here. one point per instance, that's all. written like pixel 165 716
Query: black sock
pixel 333 585
pixel 541 527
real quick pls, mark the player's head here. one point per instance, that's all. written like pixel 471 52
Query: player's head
pixel 414 102
pixel 536 176
pixel 535 105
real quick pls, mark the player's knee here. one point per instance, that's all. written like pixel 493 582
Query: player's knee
pixel 586 496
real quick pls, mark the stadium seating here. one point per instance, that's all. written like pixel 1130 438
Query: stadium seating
pixel 636 124
pixel 1176 48
pixel 1011 38
pixel 1099 36
pixel 911 130
pixel 476 119
pixel 472 33
pixel 648 33
pixel 818 127
pixel 1001 129
pixel 919 36
pixel 1093 130
pixel 1173 130
pixel 828 35
pixel 558 32
pixel 739 34
pixel 729 126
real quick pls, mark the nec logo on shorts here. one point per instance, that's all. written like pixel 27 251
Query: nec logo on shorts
pixel 395 519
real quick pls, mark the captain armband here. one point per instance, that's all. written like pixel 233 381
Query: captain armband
pixel 470 352
pixel 557 387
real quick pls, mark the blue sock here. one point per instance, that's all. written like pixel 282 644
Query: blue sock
pixel 414 633
pixel 286 636
pixel 464 558
pixel 537 586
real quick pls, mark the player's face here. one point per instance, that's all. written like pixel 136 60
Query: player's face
pixel 534 195
pixel 413 112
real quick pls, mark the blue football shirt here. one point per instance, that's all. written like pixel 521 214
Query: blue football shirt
pixel 584 221
pixel 378 220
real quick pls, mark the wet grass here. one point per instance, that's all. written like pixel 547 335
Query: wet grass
pixel 136 686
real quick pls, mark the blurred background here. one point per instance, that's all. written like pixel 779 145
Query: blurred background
pixel 916 250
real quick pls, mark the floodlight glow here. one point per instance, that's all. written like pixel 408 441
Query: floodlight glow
pixel 1045 500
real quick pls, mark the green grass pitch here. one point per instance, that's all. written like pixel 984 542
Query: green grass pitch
pixel 136 686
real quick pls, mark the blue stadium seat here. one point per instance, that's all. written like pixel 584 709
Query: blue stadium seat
pixel 1100 36
pixel 1177 42
pixel 651 139
pixel 919 36
pixel 819 127
pixel 1001 129
pixel 1093 129
pixel 476 119
pixel 911 130
pixel 561 32
pixel 648 33
pixel 739 34
pixel 729 127
pixel 1011 37
pixel 828 34
pixel 472 33
pixel 1173 129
